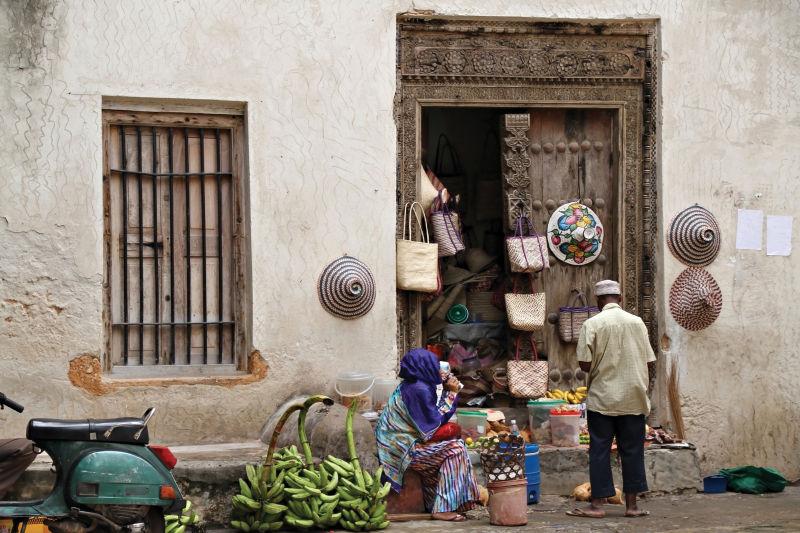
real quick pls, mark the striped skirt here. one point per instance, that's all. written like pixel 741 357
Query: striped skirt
pixel 447 481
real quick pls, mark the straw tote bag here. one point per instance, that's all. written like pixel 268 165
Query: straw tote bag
pixel 446 230
pixel 527 379
pixel 527 250
pixel 526 312
pixel 417 262
pixel 572 317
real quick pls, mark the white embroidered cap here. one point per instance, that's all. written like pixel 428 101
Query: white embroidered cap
pixel 607 286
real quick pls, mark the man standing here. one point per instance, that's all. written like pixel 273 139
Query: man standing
pixel 613 349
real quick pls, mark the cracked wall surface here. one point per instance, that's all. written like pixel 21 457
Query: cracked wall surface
pixel 319 80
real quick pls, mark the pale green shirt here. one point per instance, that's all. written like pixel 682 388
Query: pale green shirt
pixel 615 343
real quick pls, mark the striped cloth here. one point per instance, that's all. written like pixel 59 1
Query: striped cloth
pixel 447 480
pixel 448 483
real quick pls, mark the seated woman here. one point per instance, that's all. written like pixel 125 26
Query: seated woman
pixel 409 421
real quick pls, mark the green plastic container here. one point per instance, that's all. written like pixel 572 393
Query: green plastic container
pixel 539 419
pixel 473 423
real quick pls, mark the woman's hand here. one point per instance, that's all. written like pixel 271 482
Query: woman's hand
pixel 452 384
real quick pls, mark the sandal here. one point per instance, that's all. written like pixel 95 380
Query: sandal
pixel 584 514
pixel 454 518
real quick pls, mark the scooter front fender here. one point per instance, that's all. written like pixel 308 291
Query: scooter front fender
pixel 118 477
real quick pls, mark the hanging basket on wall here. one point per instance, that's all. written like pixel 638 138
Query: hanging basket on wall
pixel 693 236
pixel 695 299
pixel 346 288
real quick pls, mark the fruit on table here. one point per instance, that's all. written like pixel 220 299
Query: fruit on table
pixel 571 396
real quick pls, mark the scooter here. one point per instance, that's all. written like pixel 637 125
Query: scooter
pixel 107 477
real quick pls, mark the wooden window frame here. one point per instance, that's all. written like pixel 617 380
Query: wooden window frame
pixel 182 114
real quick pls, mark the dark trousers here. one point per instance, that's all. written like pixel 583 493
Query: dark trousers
pixel 629 430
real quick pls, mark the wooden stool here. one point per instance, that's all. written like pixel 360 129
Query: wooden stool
pixel 409 501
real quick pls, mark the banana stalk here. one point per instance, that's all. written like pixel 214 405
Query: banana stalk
pixel 273 442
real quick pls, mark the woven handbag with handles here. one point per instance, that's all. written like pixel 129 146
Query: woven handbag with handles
pixel 527 379
pixel 417 262
pixel 527 250
pixel 572 317
pixel 446 230
pixel 526 312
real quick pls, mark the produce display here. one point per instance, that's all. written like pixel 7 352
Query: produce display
pixel 177 523
pixel 571 396
pixel 290 490
pixel 363 496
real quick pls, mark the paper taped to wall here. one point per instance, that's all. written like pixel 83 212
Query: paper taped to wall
pixel 748 229
pixel 779 235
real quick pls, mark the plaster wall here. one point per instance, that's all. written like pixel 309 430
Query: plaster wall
pixel 318 79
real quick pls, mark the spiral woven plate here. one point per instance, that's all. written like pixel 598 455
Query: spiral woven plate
pixel 695 299
pixel 694 237
pixel 346 288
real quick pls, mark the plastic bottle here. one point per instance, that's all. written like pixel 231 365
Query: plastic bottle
pixel 514 428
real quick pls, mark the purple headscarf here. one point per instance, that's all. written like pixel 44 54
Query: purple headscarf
pixel 420 372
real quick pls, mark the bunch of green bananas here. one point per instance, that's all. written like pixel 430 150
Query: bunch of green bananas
pixel 362 496
pixel 312 498
pixel 258 506
pixel 176 523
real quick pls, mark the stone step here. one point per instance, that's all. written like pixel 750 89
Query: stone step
pixel 208 474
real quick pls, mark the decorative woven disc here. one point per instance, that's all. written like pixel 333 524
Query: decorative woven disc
pixel 346 288
pixel 693 236
pixel 695 299
pixel 575 234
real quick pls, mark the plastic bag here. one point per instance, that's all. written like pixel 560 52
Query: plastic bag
pixel 754 479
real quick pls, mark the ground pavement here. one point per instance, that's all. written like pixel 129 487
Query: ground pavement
pixel 683 512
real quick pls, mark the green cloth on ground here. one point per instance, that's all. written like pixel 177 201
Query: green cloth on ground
pixel 754 479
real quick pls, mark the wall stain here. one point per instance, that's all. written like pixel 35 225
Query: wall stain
pixel 85 372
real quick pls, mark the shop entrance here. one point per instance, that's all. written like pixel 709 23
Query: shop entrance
pixel 574 106
pixel 563 157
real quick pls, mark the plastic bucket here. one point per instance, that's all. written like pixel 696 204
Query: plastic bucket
pixel 565 428
pixel 382 390
pixel 532 472
pixel 508 503
pixel 355 387
pixel 715 484
pixel 473 423
pixel 539 419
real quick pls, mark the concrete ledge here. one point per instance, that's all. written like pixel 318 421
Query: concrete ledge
pixel 208 475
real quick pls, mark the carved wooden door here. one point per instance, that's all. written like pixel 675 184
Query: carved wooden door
pixel 554 156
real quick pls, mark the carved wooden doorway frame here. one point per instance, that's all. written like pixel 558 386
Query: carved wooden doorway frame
pixel 527 63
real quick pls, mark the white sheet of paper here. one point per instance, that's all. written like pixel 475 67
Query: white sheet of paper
pixel 779 235
pixel 748 229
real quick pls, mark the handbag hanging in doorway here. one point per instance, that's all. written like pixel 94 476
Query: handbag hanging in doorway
pixel 417 261
pixel 572 317
pixel 446 229
pixel 526 312
pixel 527 250
pixel 527 379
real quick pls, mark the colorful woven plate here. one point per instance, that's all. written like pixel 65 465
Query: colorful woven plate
pixel 575 234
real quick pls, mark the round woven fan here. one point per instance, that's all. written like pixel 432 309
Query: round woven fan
pixel 346 288
pixel 693 236
pixel 695 299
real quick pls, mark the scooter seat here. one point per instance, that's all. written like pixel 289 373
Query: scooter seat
pixel 121 430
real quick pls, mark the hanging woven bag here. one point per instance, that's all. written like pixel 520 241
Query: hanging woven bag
pixel 417 261
pixel 527 250
pixel 527 379
pixel 526 312
pixel 572 317
pixel 446 229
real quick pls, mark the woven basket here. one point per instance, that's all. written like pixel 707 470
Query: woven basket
pixel 526 312
pixel 503 460
pixel 572 317
pixel 480 306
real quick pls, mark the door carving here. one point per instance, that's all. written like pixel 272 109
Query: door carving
pixel 569 81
